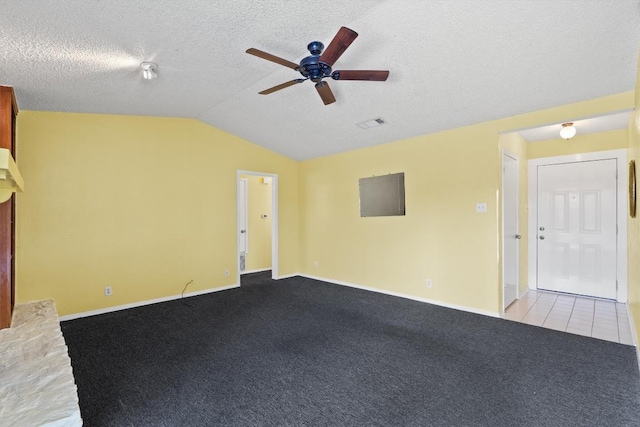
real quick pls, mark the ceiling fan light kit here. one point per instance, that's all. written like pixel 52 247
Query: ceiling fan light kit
pixel 318 65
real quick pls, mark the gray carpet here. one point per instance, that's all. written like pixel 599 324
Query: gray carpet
pixel 301 352
pixel 255 278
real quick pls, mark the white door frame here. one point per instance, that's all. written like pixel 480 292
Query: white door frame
pixel 621 254
pixel 244 226
pixel 274 220
pixel 514 157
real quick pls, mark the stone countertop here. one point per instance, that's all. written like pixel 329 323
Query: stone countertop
pixel 37 387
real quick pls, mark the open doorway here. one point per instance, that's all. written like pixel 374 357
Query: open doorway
pixel 257 226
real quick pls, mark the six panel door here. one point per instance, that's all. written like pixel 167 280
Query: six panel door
pixel 577 229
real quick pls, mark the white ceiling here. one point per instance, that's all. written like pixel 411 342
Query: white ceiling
pixel 451 62
pixel 584 126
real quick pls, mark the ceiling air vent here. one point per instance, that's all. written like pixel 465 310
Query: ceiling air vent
pixel 371 123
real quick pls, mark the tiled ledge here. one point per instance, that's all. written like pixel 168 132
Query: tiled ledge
pixel 36 381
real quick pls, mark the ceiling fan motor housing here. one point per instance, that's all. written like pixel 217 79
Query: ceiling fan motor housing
pixel 311 67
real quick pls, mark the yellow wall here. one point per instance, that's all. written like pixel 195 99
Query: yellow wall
pixel 141 204
pixel 441 237
pixel 601 141
pixel 146 204
pixel 516 145
pixel 634 223
pixel 259 229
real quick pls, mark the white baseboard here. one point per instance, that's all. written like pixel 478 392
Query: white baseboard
pixel 287 276
pixel 255 271
pixel 523 293
pixel 142 303
pixel 411 297
pixel 633 333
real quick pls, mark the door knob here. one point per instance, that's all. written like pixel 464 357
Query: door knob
pixel 541 228
pixel 243 231
pixel 541 237
pixel 517 236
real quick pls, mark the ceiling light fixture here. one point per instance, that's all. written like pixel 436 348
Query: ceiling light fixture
pixel 568 131
pixel 149 70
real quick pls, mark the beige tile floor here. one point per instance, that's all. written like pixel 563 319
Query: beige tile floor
pixel 606 320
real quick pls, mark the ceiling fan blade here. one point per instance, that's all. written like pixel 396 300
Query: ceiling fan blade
pixel 272 58
pixel 338 45
pixel 325 93
pixel 281 86
pixel 372 75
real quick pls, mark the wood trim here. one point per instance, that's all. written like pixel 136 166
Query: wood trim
pixel 9 90
pixel 8 115
pixel 6 292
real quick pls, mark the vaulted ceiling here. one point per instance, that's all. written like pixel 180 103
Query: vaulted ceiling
pixel 451 62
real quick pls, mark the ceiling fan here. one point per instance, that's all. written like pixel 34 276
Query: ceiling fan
pixel 317 66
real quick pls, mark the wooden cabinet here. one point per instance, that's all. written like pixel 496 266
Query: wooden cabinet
pixel 8 115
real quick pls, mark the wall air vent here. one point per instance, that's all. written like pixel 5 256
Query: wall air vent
pixel 368 124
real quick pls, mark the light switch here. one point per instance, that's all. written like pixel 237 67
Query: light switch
pixel 481 207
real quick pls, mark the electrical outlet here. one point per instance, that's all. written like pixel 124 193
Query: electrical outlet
pixel 226 273
pixel 315 264
pixel 429 284
pixel 481 207
pixel 107 291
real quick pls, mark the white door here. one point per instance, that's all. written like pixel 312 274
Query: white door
pixel 510 231
pixel 242 215
pixel 576 228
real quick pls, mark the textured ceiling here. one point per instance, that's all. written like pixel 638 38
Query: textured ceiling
pixel 452 63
